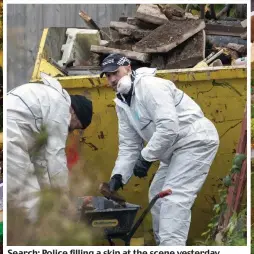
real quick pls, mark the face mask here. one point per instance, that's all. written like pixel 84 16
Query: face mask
pixel 124 84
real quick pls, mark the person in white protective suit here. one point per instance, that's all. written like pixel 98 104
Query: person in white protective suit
pixel 177 133
pixel 30 107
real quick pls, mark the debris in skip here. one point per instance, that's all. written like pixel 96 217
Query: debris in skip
pixel 159 36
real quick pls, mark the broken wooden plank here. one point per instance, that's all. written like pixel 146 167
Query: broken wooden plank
pixel 129 30
pixel 89 21
pixel 129 54
pixel 168 36
pixel 188 54
pixel 151 13
pixel 218 29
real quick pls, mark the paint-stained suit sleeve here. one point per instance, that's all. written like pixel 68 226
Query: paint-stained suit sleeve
pixel 159 103
pixel 130 145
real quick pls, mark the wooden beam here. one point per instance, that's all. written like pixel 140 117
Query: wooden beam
pixel 218 29
pixel 89 21
pixel 142 57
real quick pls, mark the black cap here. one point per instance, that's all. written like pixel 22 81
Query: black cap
pixel 112 62
pixel 83 108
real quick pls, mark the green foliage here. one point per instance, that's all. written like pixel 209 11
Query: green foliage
pixel 227 181
pixel 196 8
pixel 252 112
pixel 252 185
pixel 40 140
pixel 252 129
pixel 235 232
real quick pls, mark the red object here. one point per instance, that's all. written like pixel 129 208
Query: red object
pixel 165 193
pixel 72 155
pixel 235 192
pixel 88 200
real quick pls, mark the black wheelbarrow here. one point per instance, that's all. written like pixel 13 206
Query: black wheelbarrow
pixel 117 222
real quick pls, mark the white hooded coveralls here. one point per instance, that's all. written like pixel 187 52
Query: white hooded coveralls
pixel 179 136
pixel 28 108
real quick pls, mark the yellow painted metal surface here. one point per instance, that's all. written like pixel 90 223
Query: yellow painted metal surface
pixel 49 69
pixel 40 55
pixel 220 92
pixel 41 64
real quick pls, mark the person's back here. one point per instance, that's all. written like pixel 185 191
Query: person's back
pixel 34 105
pixel 157 101
pixel 29 108
pixel 188 111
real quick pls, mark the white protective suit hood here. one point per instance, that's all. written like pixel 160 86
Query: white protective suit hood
pixel 142 72
pixel 54 83
pixel 125 83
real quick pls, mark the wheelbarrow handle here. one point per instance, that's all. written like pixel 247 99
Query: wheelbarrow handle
pixel 162 194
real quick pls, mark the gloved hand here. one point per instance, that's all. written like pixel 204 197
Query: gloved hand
pixel 115 182
pixel 141 167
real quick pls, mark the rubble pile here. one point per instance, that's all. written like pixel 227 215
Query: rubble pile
pixel 164 37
